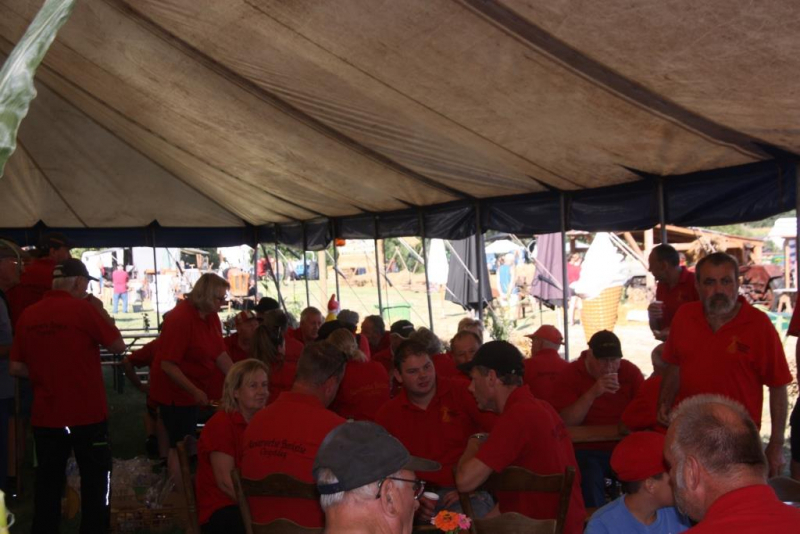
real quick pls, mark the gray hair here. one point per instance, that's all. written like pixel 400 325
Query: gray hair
pixel 357 495
pixel 429 340
pixel 348 316
pixel 719 433
pixel 64 284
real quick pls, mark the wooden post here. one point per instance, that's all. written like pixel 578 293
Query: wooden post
pixel 377 267
pixel 648 248
pixel 564 281
pixel 322 263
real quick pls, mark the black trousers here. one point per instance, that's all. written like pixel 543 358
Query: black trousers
pixel 93 455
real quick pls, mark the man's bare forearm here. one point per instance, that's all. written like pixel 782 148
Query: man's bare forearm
pixel 778 409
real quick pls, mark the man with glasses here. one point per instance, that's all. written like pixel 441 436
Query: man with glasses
pixel 284 436
pixel 366 480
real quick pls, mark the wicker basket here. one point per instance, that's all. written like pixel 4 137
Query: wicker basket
pixel 600 313
pixel 129 515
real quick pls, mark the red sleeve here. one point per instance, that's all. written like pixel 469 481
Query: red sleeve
pixel 564 393
pixel 773 368
pixel 794 324
pixel 218 435
pixel 105 334
pixel 670 353
pixel 506 442
pixel 174 339
pixel 145 355
pixel 218 338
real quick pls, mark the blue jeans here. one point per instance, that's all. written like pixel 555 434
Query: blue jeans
pixel 595 467
pixel 482 503
pixel 115 301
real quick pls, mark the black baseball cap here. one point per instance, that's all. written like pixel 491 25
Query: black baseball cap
pixel 502 356
pixel 54 240
pixel 361 452
pixel 605 344
pixel 402 328
pixel 330 327
pixel 71 267
pixel 267 304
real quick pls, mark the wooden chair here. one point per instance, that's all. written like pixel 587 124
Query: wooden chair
pixel 787 489
pixel 276 485
pixel 192 527
pixel 515 478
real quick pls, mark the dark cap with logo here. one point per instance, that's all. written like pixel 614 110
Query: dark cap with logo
pixel 267 304
pixel 363 452
pixel 502 356
pixel 71 267
pixel 402 327
pixel 605 344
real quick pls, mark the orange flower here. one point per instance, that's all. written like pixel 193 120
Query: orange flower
pixel 446 521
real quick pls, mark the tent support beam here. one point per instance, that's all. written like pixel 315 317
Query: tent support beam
pixel 155 279
pixel 662 211
pixel 377 268
pixel 565 281
pixel 425 267
pixel 480 260
pixel 335 260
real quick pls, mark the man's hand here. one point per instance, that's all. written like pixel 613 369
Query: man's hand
pixel 200 397
pixel 425 510
pixel 774 453
pixel 606 384
pixel 655 310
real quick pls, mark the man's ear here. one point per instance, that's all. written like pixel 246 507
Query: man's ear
pixel 692 472
pixel 397 376
pixel 389 498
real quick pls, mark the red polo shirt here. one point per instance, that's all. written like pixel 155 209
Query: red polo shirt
pixel 284 438
pixel 216 379
pixel 684 291
pixel 445 366
pixel 441 431
pixel 749 510
pixel 606 409
pixel 58 338
pixel 280 380
pixel 384 344
pixel 640 414
pixel 223 433
pixel 735 361
pixel 385 358
pixel 293 348
pixel 530 434
pixel 364 389
pixel 193 344
pixel 542 371
pixel 144 356
pixel 33 284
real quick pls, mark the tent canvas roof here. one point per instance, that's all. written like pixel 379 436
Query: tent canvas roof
pixel 199 122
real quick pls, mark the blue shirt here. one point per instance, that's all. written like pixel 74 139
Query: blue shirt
pixel 614 518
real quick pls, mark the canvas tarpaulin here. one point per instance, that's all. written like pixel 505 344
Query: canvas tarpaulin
pixel 228 122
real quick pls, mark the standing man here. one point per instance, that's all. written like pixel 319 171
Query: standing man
pixel 545 364
pixel 676 286
pixel 284 436
pixel 595 389
pixel 529 433
pixel 56 346
pixel 723 345
pixel 719 471
pixel 794 419
pixel 120 280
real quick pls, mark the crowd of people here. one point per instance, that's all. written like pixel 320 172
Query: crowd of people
pixel 375 415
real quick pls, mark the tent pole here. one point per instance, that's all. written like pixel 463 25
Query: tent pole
pixel 425 267
pixel 255 267
pixel 481 257
pixel 662 211
pixel 276 272
pixel 564 281
pixel 305 267
pixel 155 278
pixel 377 270
pixel 335 261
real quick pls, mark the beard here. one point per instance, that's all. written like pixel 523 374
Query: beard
pixel 685 505
pixel 719 304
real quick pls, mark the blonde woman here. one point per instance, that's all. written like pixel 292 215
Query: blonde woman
pixel 219 450
pixel 189 348
pixel 365 386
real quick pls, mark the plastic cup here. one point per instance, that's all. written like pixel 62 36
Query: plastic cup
pixel 431 496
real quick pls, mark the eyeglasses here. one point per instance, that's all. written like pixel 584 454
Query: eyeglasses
pixel 419 486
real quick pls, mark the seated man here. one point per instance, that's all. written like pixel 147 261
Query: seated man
pixel 545 364
pixel 399 332
pixel 720 470
pixel 308 329
pixel 594 390
pixel 443 362
pixel 647 504
pixel 374 329
pixel 359 461
pixel 529 433
pixel 463 346
pixel 284 436
pixel 433 417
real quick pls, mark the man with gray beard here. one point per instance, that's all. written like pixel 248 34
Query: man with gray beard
pixel 722 345
pixel 718 470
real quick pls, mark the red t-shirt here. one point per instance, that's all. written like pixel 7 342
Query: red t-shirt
pixel 33 284
pixel 530 434
pixel 441 431
pixel 542 371
pixel 120 281
pixel 193 344
pixel 749 510
pixel 685 291
pixel 284 438
pixel 224 433
pixel 606 409
pixel 735 361
pixel 216 379
pixel 58 338
pixel 641 412
pixel 292 348
pixel 364 389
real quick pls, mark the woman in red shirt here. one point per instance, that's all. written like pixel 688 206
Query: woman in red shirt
pixel 269 346
pixel 189 348
pixel 220 448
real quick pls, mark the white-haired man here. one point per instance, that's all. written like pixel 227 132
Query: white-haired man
pixel 366 480
pixel 718 470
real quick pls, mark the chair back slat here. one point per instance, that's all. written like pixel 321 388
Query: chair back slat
pixel 274 485
pixel 512 522
pixel 192 526
pixel 284 526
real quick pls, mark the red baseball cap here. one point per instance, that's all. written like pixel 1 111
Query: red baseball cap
pixel 639 456
pixel 549 333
